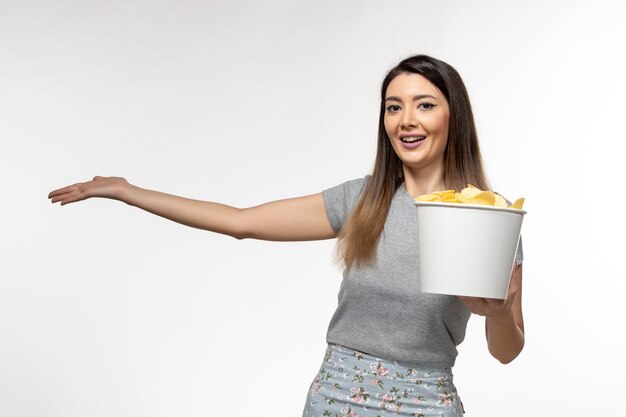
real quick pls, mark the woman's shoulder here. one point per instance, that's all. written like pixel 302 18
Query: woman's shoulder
pixel 347 192
pixel 360 182
pixel 355 184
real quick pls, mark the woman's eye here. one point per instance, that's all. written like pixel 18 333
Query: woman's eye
pixel 393 108
pixel 427 106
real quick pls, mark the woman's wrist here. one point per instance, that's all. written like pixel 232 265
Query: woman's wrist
pixel 502 318
pixel 126 193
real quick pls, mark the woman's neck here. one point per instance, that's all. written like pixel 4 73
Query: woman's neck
pixel 424 181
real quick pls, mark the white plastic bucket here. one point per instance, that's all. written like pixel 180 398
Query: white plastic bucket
pixel 467 249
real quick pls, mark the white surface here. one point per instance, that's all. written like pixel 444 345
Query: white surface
pixel 106 310
pixel 465 249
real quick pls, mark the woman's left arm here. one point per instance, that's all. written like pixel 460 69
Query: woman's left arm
pixel 504 324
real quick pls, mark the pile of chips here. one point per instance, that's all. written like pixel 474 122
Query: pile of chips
pixel 471 195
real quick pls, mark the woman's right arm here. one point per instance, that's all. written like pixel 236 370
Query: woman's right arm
pixel 293 219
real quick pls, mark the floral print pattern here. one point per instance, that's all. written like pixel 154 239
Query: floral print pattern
pixel 355 384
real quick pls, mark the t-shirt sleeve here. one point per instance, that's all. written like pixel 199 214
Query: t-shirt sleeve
pixel 340 200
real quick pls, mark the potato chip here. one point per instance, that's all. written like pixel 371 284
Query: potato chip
pixel 500 201
pixel 427 197
pixel 470 192
pixel 460 198
pixel 471 195
pixel 486 196
pixel 478 201
pixel 450 198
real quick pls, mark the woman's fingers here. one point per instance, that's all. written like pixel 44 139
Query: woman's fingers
pixel 66 198
pixel 474 304
pixel 64 195
pixel 107 187
pixel 71 198
pixel 61 191
pixel 486 306
pixel 513 284
pixel 71 193
pixel 512 289
pixel 494 306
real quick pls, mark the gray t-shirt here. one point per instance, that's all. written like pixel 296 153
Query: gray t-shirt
pixel 381 309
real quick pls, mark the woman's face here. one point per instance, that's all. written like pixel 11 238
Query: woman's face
pixel 416 121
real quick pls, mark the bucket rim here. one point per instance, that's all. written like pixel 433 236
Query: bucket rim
pixel 470 206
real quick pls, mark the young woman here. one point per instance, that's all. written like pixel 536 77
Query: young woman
pixel 391 347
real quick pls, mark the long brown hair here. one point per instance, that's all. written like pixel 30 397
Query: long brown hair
pixel 462 160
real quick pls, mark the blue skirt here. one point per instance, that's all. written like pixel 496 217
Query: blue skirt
pixel 354 384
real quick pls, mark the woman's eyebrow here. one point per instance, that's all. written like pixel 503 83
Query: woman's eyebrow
pixel 415 98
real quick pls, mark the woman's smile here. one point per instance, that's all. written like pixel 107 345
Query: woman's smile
pixel 412 140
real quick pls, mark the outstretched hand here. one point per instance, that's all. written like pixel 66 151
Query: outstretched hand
pixel 493 307
pixel 105 187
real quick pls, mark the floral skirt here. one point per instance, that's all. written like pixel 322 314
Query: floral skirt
pixel 354 384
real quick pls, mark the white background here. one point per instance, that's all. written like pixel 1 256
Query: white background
pixel 106 310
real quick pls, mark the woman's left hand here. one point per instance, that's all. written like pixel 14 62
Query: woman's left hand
pixel 494 307
pixel 504 324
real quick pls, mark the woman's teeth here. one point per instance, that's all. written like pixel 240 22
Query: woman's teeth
pixel 411 139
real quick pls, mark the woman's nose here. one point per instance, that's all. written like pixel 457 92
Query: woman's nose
pixel 409 118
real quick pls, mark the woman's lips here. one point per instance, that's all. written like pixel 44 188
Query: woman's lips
pixel 412 142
